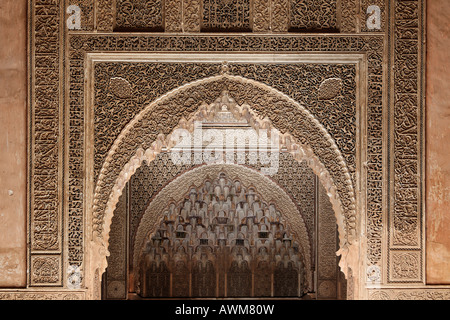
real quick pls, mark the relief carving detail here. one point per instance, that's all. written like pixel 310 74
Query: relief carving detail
pixel 46 111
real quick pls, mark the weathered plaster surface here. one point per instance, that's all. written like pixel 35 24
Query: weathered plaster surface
pixel 438 142
pixel 13 142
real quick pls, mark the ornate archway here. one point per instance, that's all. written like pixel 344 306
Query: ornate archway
pixel 264 107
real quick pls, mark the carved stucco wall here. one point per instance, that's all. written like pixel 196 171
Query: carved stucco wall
pixel 48 106
pixel 85 43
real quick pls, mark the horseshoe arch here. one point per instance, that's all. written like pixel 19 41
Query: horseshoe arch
pixel 149 133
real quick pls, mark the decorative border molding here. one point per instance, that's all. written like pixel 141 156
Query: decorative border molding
pixel 185 15
pixel 416 293
pixel 406 216
pixel 261 15
pixel 45 136
pixel 41 295
pixel 191 15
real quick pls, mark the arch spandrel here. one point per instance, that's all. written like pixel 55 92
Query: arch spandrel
pixel 146 136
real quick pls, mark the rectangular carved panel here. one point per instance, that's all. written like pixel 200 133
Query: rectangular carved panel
pixel 173 15
pixel 139 15
pixel 348 16
pixel 405 266
pixel 313 15
pixel 261 15
pixel 406 216
pixel 45 136
pixel 46 270
pixel 105 15
pixel 280 15
pixel 45 221
pixel 226 15
pixel 191 15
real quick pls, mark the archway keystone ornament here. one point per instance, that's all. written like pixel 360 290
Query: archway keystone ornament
pixel 149 133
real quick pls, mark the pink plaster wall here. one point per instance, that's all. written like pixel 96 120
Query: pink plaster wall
pixel 13 142
pixel 438 142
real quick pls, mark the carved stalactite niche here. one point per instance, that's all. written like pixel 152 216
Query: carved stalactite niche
pixel 293 176
pixel 222 235
pixel 193 16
